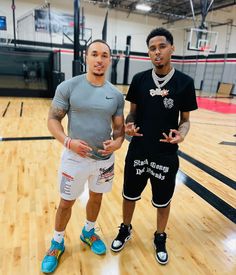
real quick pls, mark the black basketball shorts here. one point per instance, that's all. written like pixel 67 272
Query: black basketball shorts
pixel 161 170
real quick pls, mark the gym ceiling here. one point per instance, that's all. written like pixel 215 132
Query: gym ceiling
pixel 169 10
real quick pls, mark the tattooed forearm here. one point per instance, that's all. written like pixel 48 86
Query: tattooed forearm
pixel 56 113
pixel 130 118
pixel 55 126
pixel 184 128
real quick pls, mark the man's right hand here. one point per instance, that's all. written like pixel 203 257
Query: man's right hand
pixel 132 130
pixel 80 147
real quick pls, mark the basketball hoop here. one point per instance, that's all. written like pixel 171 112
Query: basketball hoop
pixel 201 38
pixel 205 50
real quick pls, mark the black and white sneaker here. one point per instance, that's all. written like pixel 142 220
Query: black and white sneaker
pixel 160 248
pixel 123 236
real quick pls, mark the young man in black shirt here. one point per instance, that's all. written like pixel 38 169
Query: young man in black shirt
pixel 160 102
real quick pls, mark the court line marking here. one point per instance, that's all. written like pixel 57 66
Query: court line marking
pixel 212 172
pixel 5 111
pixel 26 138
pixel 228 143
pixel 21 108
pixel 223 207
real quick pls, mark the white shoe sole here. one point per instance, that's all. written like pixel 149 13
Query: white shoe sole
pixel 119 249
pixel 160 262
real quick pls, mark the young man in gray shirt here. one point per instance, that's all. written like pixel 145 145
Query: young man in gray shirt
pixel 95 130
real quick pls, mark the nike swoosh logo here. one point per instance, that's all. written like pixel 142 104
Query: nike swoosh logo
pixel 109 97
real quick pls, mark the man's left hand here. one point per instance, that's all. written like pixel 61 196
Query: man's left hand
pixel 173 137
pixel 109 147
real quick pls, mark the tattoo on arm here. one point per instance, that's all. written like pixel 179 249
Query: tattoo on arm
pixel 130 118
pixel 184 128
pixel 56 113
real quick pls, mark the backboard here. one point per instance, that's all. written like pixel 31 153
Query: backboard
pixel 200 39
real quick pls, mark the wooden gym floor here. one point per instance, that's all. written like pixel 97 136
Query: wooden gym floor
pixel 202 225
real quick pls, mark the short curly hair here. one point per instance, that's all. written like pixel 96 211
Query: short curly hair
pixel 160 32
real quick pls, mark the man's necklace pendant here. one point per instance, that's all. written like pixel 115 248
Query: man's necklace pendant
pixel 159 91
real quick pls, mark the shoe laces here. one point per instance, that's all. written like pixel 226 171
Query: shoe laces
pixel 160 242
pixel 124 231
pixel 54 250
pixel 92 236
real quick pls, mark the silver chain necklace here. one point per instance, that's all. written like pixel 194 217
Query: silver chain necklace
pixel 165 79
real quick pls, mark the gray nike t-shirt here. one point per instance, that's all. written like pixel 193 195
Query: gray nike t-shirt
pixel 89 109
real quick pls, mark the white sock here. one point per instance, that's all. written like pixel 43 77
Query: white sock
pixel 58 236
pixel 89 225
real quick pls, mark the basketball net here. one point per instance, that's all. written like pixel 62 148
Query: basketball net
pixel 205 50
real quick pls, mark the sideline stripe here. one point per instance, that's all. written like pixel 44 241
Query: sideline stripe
pixel 26 138
pixel 212 172
pixel 222 206
pixel 228 143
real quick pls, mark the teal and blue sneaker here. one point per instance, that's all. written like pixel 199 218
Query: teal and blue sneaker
pixel 51 259
pixel 94 241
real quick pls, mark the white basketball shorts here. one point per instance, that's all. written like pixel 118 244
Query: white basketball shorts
pixel 75 171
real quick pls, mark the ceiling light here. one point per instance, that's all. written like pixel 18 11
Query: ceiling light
pixel 143 7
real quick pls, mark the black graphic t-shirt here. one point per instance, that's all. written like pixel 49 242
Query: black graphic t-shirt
pixel 156 114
